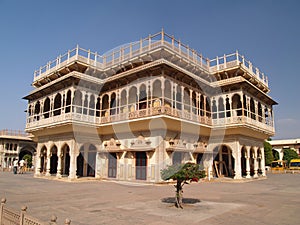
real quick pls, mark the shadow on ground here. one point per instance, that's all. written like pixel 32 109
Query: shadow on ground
pixel 184 200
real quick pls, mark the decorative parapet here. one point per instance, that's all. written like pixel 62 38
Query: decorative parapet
pixel 13 217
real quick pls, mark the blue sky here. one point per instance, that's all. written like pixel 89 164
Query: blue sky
pixel 266 32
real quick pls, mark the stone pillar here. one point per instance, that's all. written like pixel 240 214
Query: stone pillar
pixel 48 163
pixel 37 161
pixel 59 162
pixel 262 162
pixel 237 155
pixel 248 162
pixel 73 161
pixel 255 162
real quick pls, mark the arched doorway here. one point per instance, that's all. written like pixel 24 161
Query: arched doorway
pixel 65 160
pixel 53 160
pixel 223 161
pixel 199 158
pixel 80 163
pixel 43 165
pixel 112 165
pixel 91 161
pixel 141 165
pixel 243 161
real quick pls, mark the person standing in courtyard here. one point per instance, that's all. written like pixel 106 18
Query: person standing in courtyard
pixel 15 165
pixel 22 166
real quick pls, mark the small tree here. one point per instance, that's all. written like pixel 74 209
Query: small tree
pixel 28 158
pixel 289 154
pixel 182 174
pixel 268 153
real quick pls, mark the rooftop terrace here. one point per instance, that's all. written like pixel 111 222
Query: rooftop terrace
pixel 160 40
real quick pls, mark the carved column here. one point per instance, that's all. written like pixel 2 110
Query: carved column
pixel 59 161
pixel 48 162
pixel 247 162
pixel 262 162
pixel 255 162
pixel 37 162
pixel 73 160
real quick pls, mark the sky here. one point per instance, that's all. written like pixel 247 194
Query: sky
pixel 267 32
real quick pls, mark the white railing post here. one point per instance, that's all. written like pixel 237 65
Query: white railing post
pixel 3 201
pixel 89 56
pixel 237 57
pixel 130 50
pixel 225 61
pixel 23 211
pixel 67 222
pixel 53 220
pixel 149 43
pixel 141 45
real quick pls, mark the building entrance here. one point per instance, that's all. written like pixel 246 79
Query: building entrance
pixel 141 165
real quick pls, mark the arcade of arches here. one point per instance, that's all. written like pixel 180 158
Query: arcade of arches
pixel 143 158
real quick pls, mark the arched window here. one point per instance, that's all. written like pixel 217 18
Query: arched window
pixel 236 105
pixel 167 93
pixel 156 91
pixel 186 99
pixel 57 105
pixel 178 97
pixel 252 109
pixel 201 105
pixel 259 108
pixel 37 110
pixel 105 106
pixel 77 101
pixel 143 97
pixel 221 108
pixel 85 104
pixel 113 104
pixel 92 105
pixel 46 108
pixel 98 107
pixel 228 113
pixel 124 108
pixel 214 109
pixel 132 98
pixel 68 102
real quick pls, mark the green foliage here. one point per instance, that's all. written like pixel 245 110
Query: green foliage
pixel 183 172
pixel 290 154
pixel 275 155
pixel 28 158
pixel 268 153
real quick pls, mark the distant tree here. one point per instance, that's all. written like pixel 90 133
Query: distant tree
pixel 28 158
pixel 182 174
pixel 289 154
pixel 275 155
pixel 268 153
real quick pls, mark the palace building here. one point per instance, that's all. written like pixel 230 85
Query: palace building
pixel 14 144
pixel 129 113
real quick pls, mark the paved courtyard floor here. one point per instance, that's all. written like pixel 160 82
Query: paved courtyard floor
pixel 275 200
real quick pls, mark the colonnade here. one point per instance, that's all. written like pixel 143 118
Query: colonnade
pixel 146 94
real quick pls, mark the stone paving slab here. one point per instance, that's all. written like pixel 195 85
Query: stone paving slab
pixel 269 201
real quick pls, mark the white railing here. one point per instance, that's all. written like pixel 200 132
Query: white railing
pixel 38 121
pixel 235 59
pixel 123 53
pixel 242 120
pixel 18 133
pixel 10 216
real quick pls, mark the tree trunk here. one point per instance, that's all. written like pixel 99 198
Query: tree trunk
pixel 178 197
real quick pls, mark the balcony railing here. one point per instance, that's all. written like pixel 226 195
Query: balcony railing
pixel 124 53
pixel 36 122
pixel 235 59
pixel 18 133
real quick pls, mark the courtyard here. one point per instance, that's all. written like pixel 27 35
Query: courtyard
pixel 274 200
